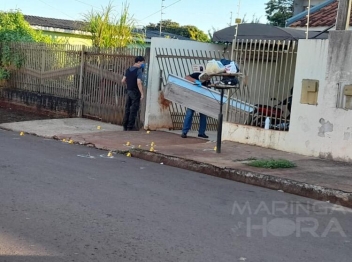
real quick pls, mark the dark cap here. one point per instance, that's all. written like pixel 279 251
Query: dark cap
pixel 139 59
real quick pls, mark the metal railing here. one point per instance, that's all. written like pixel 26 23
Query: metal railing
pixel 92 76
pixel 268 69
pixel 179 62
pixel 265 89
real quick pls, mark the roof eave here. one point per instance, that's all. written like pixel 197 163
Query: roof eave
pixel 305 13
pixel 60 30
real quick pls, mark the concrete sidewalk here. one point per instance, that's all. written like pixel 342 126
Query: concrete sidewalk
pixel 314 178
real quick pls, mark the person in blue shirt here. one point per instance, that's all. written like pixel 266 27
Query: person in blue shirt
pixel 134 79
pixel 187 124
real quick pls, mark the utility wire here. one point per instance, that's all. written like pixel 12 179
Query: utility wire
pixel 57 9
pixel 87 4
pixel 157 12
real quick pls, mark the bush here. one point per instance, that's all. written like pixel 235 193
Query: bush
pixel 14 28
pixel 4 74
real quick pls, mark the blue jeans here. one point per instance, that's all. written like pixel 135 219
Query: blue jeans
pixel 188 122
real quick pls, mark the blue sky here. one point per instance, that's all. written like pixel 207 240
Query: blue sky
pixel 204 14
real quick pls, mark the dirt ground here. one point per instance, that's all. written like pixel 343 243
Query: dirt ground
pixel 8 115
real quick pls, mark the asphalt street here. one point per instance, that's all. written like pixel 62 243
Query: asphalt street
pixel 64 202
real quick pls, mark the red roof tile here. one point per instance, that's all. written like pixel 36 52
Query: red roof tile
pixel 322 18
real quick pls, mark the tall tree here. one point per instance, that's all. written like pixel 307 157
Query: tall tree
pixel 172 27
pixel 278 11
pixel 110 30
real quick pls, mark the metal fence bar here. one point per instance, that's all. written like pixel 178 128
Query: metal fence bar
pixel 285 82
pixel 244 88
pixel 266 85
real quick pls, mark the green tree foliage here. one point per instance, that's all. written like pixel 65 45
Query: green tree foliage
pixel 278 11
pixel 14 28
pixel 189 31
pixel 111 30
pixel 196 34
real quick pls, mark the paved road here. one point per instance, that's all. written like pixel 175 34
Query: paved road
pixel 62 202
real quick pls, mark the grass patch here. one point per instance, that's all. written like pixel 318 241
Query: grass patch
pixel 272 163
pixel 245 160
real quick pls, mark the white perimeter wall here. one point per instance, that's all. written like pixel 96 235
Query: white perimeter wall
pixel 321 130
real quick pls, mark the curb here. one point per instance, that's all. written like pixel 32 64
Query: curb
pixel 333 196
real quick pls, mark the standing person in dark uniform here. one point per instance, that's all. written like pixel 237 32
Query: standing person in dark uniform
pixel 200 79
pixel 134 80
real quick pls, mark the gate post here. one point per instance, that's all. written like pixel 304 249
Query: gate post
pixel 80 89
pixel 145 84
